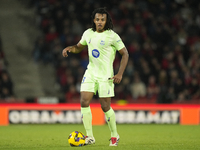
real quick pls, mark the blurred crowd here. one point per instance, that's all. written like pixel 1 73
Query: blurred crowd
pixel 161 36
pixel 6 84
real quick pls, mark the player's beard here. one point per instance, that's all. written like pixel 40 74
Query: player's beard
pixel 100 28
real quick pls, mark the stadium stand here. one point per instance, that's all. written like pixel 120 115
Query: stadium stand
pixel 162 38
pixel 6 84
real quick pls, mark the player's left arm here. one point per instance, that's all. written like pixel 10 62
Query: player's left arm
pixel 124 60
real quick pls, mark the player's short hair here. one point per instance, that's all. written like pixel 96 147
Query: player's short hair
pixel 108 25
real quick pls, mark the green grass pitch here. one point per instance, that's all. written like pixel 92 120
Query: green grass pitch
pixel 132 137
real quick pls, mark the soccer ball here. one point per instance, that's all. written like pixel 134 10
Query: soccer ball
pixel 76 138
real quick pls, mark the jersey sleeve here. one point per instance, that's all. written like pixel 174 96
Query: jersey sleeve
pixel 83 39
pixel 117 42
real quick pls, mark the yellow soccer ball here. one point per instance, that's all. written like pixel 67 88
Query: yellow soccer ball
pixel 76 138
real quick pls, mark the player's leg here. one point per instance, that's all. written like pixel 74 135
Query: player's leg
pixel 87 92
pixel 111 120
pixel 86 98
pixel 110 115
pixel 106 91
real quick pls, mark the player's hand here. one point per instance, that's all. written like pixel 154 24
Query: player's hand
pixel 67 49
pixel 117 79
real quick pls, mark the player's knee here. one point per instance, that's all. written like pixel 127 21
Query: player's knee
pixel 84 102
pixel 86 98
pixel 105 107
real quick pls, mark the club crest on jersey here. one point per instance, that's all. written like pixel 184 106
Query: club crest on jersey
pixel 102 42
pixel 95 53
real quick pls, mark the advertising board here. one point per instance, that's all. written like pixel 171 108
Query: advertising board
pixel 70 113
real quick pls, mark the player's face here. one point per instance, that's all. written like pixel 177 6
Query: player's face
pixel 100 21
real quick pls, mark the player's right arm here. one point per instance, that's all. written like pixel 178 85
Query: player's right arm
pixel 73 49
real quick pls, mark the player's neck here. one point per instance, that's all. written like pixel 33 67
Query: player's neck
pixel 100 31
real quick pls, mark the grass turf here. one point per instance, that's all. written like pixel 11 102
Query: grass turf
pixel 137 137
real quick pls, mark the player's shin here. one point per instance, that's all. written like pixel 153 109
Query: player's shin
pixel 87 120
pixel 110 117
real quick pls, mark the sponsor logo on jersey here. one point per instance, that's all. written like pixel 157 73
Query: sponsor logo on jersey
pixel 102 42
pixel 95 53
